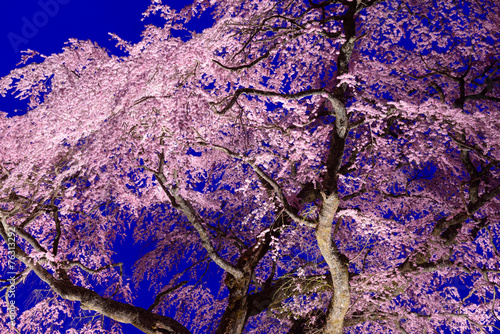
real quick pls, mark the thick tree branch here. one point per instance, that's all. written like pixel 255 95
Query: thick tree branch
pixel 73 264
pixel 273 293
pixel 259 92
pixel 291 212
pixel 447 228
pixel 240 67
pixel 149 323
pixel 160 296
pixel 58 232
pixel 340 276
pixel 181 204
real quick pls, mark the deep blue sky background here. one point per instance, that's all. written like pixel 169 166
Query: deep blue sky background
pixel 59 20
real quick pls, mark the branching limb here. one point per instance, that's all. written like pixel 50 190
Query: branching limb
pixel 237 68
pixel 340 302
pixel 179 203
pixel 148 322
pixel 259 92
pixel 58 232
pixel 73 264
pixel 287 207
pixel 291 212
pixel 447 229
pixel 34 215
pixel 160 296
pixel 17 278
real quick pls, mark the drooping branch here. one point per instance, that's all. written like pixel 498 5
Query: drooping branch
pixel 240 67
pixel 259 92
pixel 304 325
pixel 447 229
pixel 287 207
pixel 160 296
pixel 273 184
pixel 338 269
pixel 17 278
pixel 277 291
pixel 148 322
pixel 179 203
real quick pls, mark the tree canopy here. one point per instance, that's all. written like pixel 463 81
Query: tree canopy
pixel 336 164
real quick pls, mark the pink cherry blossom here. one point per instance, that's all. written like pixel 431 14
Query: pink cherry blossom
pixel 328 166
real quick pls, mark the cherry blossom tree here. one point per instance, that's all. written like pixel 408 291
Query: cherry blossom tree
pixel 336 162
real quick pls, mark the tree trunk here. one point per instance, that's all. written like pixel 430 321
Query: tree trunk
pixel 341 299
pixel 235 316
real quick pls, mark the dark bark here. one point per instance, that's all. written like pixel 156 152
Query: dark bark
pixel 305 325
pixel 448 229
pixel 240 307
